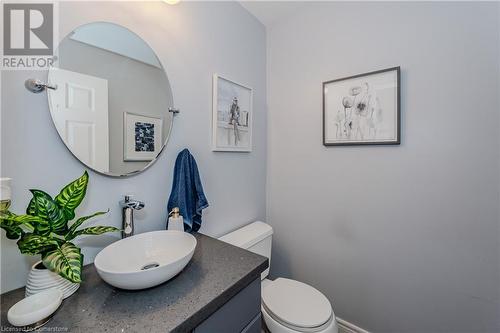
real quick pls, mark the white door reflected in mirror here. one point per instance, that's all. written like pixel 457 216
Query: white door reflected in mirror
pixel 80 113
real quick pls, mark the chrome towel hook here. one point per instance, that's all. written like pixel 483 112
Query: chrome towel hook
pixel 37 86
pixel 174 110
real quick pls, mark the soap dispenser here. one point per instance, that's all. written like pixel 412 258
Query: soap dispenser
pixel 175 220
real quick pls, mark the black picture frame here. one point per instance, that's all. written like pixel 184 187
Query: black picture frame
pixel 397 69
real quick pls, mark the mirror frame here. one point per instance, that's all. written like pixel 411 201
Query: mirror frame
pixel 172 110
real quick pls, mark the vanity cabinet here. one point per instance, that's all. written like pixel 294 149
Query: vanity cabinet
pixel 217 292
pixel 240 314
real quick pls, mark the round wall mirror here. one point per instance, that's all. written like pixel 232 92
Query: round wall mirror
pixel 111 99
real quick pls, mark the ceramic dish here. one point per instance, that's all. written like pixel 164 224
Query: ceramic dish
pixel 35 308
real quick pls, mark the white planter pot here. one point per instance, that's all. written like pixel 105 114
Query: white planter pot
pixel 40 279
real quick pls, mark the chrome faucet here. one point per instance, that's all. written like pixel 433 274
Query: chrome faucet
pixel 128 206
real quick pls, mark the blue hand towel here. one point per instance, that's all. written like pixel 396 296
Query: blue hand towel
pixel 187 191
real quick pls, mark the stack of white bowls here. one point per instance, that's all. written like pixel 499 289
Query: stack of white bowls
pixel 40 279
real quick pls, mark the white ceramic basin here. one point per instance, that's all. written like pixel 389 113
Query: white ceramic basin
pixel 145 260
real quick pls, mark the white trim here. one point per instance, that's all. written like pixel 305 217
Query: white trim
pixel 347 327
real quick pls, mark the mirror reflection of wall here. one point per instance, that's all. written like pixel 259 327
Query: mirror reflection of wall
pixel 131 116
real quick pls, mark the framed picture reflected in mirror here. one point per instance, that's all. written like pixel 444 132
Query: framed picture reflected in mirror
pixel 142 137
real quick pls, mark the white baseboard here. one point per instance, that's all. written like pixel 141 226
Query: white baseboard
pixel 347 327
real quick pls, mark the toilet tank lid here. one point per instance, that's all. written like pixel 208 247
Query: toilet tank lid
pixel 248 235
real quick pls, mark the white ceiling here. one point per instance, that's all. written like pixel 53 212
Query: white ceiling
pixel 270 12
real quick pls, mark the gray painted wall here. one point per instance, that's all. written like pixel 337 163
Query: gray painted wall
pixel 401 239
pixel 193 40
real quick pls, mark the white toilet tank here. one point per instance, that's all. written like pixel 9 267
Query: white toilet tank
pixel 255 237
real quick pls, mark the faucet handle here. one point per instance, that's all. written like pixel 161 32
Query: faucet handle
pixel 130 203
pixel 137 205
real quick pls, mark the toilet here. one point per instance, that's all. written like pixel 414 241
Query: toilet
pixel 288 306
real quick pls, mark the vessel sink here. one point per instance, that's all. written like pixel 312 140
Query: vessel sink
pixel 145 260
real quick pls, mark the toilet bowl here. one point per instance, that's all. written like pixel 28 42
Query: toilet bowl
pixel 288 306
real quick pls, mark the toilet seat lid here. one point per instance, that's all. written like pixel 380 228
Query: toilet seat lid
pixel 296 303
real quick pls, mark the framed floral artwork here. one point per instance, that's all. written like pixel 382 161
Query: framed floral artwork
pixel 363 109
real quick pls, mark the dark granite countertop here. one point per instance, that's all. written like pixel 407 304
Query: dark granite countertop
pixel 217 272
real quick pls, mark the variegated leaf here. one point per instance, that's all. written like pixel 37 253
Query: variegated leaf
pixel 35 244
pixel 66 261
pixel 13 224
pixel 43 206
pixel 32 224
pixel 72 195
pixel 27 219
pixel 12 229
pixel 71 233
pixel 95 230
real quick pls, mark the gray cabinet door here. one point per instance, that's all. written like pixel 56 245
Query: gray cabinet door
pixel 236 314
pixel 255 325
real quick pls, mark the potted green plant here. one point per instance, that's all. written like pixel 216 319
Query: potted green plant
pixel 47 230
